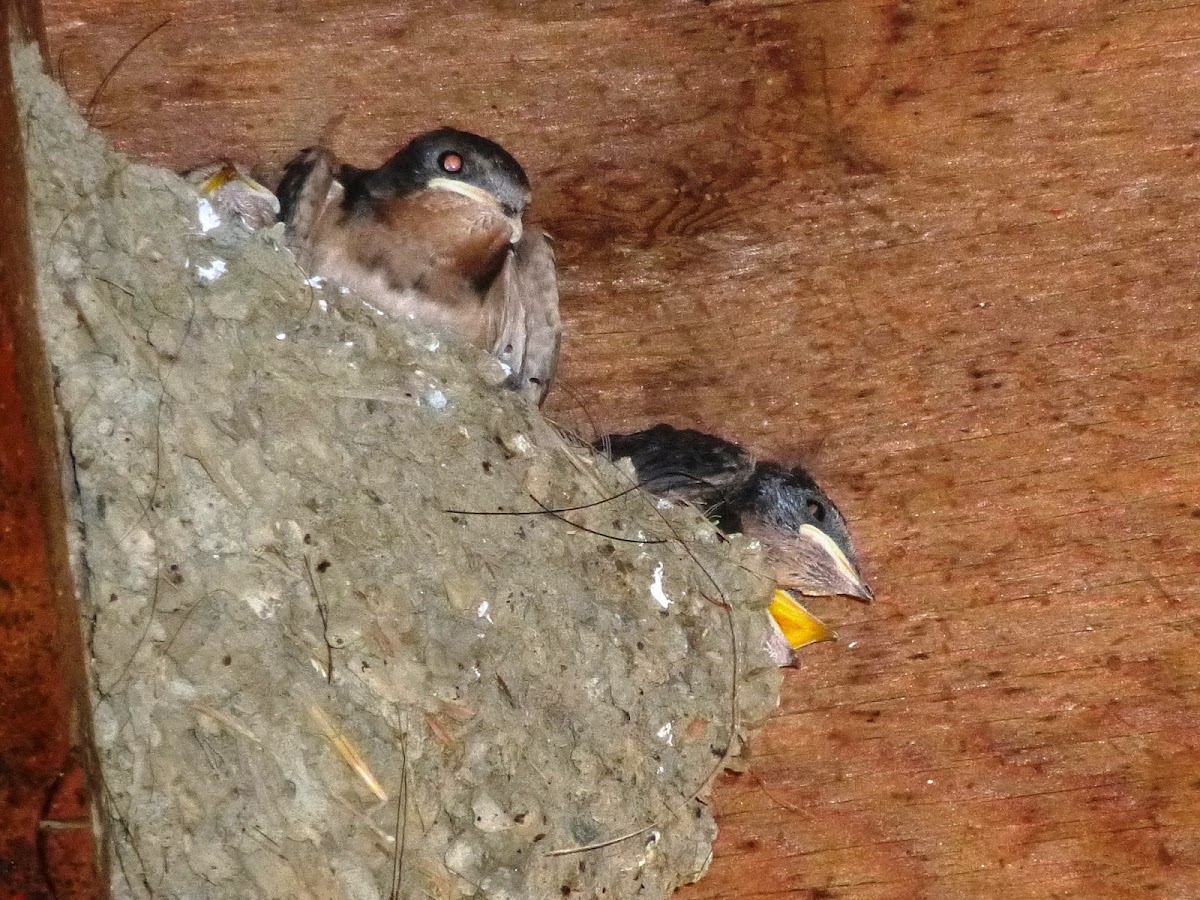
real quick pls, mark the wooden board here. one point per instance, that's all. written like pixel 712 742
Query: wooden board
pixel 46 846
pixel 944 253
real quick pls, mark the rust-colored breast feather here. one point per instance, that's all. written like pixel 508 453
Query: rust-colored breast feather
pixel 458 235
pixel 430 256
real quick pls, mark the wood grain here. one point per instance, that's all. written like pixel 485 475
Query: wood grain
pixel 942 252
pixel 46 847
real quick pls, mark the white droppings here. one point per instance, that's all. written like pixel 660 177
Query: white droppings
pixel 209 218
pixel 433 344
pixel 656 588
pixel 436 399
pixel 316 281
pixel 348 344
pixel 212 271
pixel 929 781
pixel 852 644
pixel 664 503
pixel 282 336
pixel 482 612
pixel 264 607
pixel 343 290
pixel 323 303
pixel 667 733
pixel 505 367
pixel 490 817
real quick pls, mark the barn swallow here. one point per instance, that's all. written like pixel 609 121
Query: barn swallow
pixel 233 191
pixel 435 235
pixel 804 535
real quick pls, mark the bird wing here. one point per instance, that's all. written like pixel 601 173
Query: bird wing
pixel 308 188
pixel 529 333
pixel 683 464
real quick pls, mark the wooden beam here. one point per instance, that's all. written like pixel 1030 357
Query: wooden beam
pixel 46 845
pixel 27 21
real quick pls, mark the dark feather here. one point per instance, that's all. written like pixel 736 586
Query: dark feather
pixel 682 464
pixel 291 186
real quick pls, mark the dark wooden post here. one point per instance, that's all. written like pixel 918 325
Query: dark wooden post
pixel 46 842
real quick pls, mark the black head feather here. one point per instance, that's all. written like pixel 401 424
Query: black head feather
pixel 445 153
pixel 787 498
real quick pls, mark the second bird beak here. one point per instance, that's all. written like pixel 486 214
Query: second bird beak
pixel 796 623
pixel 822 568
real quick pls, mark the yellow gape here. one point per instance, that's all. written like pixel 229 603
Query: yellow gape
pixel 798 625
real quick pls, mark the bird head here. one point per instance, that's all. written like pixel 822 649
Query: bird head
pixel 806 538
pixel 462 163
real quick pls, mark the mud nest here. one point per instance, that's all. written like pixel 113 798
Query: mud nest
pixel 311 677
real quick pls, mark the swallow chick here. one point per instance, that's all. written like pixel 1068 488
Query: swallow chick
pixel 435 235
pixel 804 535
pixel 233 191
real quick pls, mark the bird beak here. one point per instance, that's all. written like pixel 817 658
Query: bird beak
pixel 481 196
pixel 824 568
pixel 796 623
pixel 219 179
pixel 227 174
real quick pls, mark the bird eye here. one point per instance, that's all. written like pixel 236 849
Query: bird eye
pixel 816 510
pixel 450 162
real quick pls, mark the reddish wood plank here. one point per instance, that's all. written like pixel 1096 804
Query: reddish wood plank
pixel 46 846
pixel 944 253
